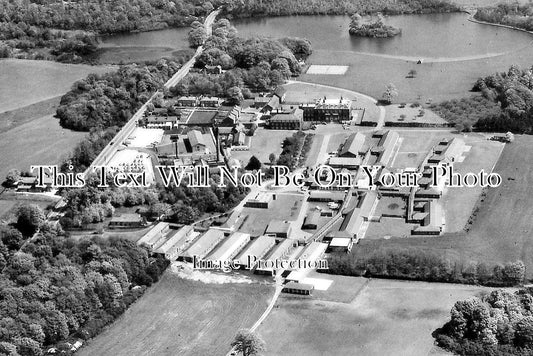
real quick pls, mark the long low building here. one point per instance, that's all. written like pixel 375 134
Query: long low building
pixel 203 245
pixel 281 251
pixel 310 256
pixel 230 247
pixel 155 237
pixel 177 243
pixel 257 249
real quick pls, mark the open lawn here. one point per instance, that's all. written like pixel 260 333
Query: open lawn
pixel 438 81
pixel 41 141
pixel 5 208
pixel 24 82
pixel 183 317
pixel 264 142
pixel 460 202
pixel 503 228
pixel 384 317
pixel 413 115
pixel 416 144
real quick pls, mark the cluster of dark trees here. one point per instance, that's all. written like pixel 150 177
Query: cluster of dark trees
pixel 295 150
pixel 67 31
pixel 179 204
pixel 104 100
pixel 498 323
pixel 255 63
pixel 465 113
pixel 55 289
pixel 254 8
pixel 422 265
pixel 44 43
pixel 506 103
pixel 373 28
pixel 514 14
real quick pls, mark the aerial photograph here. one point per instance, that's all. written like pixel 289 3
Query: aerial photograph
pixel 266 177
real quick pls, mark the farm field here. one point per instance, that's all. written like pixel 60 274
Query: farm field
pixel 42 140
pixel 501 231
pixel 13 118
pixel 183 317
pixel 38 80
pixel 383 317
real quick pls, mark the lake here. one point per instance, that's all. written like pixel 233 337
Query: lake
pixel 437 37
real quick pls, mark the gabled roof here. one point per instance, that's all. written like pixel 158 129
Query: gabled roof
pixel 279 92
pixel 353 144
pixel 195 138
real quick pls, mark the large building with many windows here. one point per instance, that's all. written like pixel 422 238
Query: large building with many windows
pixel 328 110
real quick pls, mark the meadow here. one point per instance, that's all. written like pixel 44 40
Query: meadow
pixel 367 317
pixel 183 317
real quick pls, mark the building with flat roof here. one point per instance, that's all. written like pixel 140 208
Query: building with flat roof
pixel 298 288
pixel 326 196
pixel 127 220
pixel 312 220
pixel 203 245
pixel 188 101
pixel 261 200
pixel 279 228
pixel 178 241
pixel 230 247
pixel 340 244
pixel 257 249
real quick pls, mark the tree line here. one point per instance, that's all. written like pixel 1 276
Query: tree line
pixel 496 323
pixel 177 204
pixel 255 8
pixel 426 266
pixel 505 104
pixel 514 15
pixel 55 289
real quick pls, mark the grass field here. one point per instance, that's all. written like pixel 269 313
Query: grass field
pixel 394 114
pixel 41 141
pixel 502 230
pixel 369 74
pixel 376 317
pixel 38 80
pixel 264 142
pixel 14 118
pixel 183 317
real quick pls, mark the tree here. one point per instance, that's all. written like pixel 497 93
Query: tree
pixel 29 218
pixel 390 93
pixel 248 343
pixel 254 164
pixel 13 176
pixel 412 73
pixel 272 158
pixel 235 95
pixel 185 214
pixel 197 36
